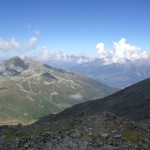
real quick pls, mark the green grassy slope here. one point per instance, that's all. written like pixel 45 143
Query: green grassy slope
pixel 39 90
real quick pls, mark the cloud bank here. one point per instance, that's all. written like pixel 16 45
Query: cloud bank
pixel 121 52
pixel 46 55
pixel 13 44
pixel 10 44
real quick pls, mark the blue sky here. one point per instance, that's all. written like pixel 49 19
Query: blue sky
pixel 74 25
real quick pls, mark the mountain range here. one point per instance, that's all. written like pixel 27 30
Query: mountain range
pixel 30 90
pixel 118 74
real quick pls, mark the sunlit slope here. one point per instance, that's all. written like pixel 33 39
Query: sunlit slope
pixel 29 90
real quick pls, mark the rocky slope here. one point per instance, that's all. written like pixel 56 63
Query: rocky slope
pixel 29 90
pixel 132 103
pixel 97 132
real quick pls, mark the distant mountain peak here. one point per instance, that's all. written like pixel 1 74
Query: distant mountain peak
pixel 15 64
pixel 56 69
pixel 47 75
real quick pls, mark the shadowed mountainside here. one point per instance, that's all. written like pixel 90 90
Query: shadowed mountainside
pixel 131 103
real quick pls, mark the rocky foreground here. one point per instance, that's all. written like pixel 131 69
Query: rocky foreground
pixel 96 132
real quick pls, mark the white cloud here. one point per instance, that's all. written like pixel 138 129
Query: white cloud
pixel 121 52
pixel 84 59
pixel 6 45
pixel 101 50
pixel 124 51
pixel 76 96
pixel 13 44
pixel 81 61
pixel 46 55
pixel 30 44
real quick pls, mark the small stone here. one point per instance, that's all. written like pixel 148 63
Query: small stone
pixel 117 136
pixel 147 141
pixel 76 134
pixel 90 129
pixel 104 135
pixel 114 131
pixel 26 145
pixel 92 117
pixel 90 133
